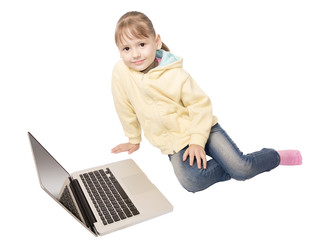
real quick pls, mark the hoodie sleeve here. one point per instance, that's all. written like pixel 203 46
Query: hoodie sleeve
pixel 124 108
pixel 199 107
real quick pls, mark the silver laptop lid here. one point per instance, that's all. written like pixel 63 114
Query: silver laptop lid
pixel 53 177
pixel 51 174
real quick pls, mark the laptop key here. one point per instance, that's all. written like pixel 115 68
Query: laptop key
pixel 127 212
pixel 120 190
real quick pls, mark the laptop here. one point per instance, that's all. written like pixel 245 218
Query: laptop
pixel 104 198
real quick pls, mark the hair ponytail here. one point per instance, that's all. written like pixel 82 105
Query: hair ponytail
pixel 164 47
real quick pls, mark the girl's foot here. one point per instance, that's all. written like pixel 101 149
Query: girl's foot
pixel 290 157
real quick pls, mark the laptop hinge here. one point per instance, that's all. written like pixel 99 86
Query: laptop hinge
pixel 83 205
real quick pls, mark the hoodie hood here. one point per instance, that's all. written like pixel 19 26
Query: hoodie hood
pixel 168 61
pixel 166 57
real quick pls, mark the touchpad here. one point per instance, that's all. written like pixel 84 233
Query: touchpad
pixel 137 184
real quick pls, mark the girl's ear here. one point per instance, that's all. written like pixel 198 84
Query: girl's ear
pixel 158 41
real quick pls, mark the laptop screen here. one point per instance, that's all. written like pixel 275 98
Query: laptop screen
pixel 51 174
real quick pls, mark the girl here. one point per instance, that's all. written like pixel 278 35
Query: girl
pixel 152 91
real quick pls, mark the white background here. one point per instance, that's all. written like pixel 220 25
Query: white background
pixel 261 62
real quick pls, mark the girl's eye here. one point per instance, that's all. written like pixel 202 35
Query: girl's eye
pixel 142 44
pixel 126 49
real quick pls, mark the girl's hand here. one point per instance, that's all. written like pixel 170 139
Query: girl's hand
pixel 125 147
pixel 198 152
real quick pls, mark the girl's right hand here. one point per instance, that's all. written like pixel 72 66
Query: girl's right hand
pixel 125 147
pixel 196 152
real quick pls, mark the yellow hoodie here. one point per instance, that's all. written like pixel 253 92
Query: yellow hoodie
pixel 166 102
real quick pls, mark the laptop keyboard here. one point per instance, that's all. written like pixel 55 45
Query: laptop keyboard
pixel 110 200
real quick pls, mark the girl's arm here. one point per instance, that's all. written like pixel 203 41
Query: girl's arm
pixel 199 107
pixel 200 111
pixel 124 108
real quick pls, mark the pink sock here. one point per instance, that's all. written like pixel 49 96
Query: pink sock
pixel 290 157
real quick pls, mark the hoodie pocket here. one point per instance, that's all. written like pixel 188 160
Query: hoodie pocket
pixel 153 131
pixel 171 122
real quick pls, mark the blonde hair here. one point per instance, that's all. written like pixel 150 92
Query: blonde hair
pixel 135 24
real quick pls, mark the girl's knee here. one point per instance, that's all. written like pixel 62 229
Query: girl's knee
pixel 190 188
pixel 193 179
pixel 190 182
pixel 243 173
pixel 242 176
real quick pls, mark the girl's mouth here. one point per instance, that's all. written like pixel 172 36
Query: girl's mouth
pixel 138 62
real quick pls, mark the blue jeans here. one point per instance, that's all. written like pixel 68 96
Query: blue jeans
pixel 227 162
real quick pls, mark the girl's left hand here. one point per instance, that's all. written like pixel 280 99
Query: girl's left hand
pixel 196 151
pixel 125 147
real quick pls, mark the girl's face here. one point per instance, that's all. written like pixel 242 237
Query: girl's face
pixel 137 53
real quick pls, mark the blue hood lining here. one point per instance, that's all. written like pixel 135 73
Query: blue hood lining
pixel 166 57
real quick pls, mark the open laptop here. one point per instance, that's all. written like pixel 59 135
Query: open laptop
pixel 104 198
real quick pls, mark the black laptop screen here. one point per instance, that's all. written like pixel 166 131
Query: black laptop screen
pixel 51 174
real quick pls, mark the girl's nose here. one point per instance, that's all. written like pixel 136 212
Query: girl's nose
pixel 135 54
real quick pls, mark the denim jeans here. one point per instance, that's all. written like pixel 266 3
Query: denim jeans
pixel 227 162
